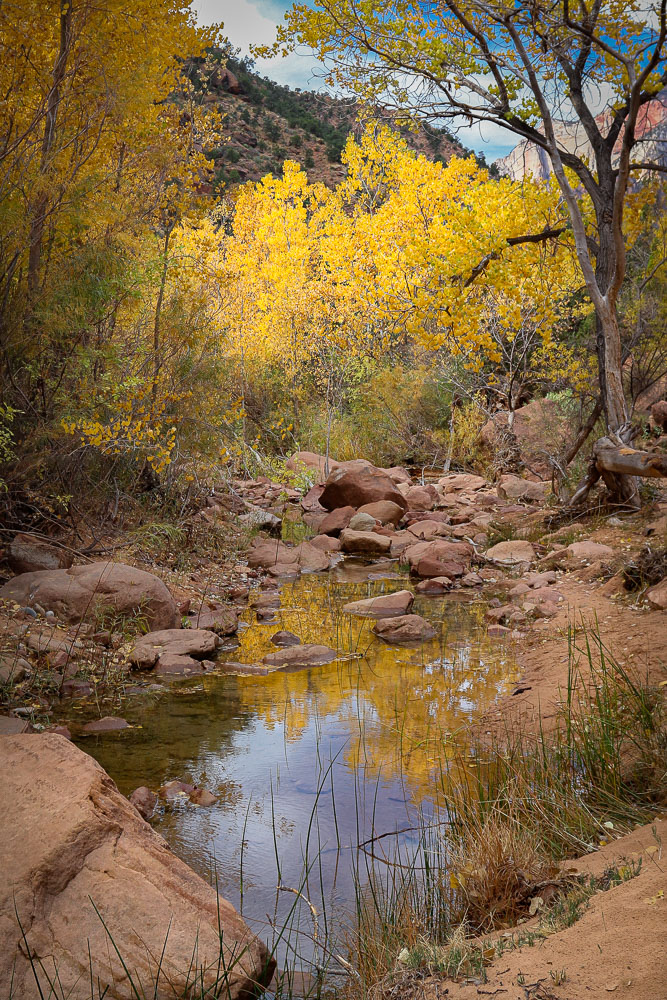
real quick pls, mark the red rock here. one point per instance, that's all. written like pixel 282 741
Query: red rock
pixel 364 542
pixel 82 592
pixel 358 483
pixel 461 482
pixel 657 596
pixel 326 543
pixel 512 553
pixel 29 554
pixel 434 586
pixel 383 606
pixel 109 724
pixel 74 840
pixel 422 497
pixel 336 521
pixel 285 638
pixel 304 655
pixel 404 629
pixel 144 801
pixel 384 511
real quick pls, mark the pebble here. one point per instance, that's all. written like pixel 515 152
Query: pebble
pixel 29 611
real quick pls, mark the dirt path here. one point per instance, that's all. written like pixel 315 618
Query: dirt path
pixel 636 637
pixel 616 948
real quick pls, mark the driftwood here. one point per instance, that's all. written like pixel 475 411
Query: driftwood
pixel 621 467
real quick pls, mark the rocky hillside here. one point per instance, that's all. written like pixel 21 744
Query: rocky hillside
pixel 268 123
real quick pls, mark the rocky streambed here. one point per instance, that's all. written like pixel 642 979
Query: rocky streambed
pixel 309 704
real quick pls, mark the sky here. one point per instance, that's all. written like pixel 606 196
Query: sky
pixel 254 21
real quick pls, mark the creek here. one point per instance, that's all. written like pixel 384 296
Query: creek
pixel 308 765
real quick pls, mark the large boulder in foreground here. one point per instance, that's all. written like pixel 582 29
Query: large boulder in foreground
pixel 83 593
pixel 358 483
pixel 68 840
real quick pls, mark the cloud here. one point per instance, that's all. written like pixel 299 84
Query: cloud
pixel 245 23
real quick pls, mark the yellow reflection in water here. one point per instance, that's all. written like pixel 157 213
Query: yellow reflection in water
pixel 403 709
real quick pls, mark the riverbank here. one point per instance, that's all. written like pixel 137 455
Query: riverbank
pixel 272 649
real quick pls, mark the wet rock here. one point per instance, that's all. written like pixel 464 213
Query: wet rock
pixel 171 791
pixel 435 586
pixel 472 580
pixel 657 596
pixel 109 724
pixel 296 657
pixel 439 558
pixel 218 618
pixel 285 639
pixel 266 614
pixel 406 629
pixel 174 650
pixel 358 483
pixel 284 571
pixel 29 554
pixel 202 797
pixel 384 511
pixel 59 730
pixel 497 631
pixel 72 688
pixel 82 592
pixel 512 553
pixel 144 801
pixel 362 522
pixel 338 519
pixel 243 669
pixel 384 606
pixel 311 559
pixel 327 543
pixel 269 599
pixel 365 542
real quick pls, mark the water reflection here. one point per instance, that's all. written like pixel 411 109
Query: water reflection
pixel 308 764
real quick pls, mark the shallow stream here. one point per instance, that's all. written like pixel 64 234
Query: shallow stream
pixel 307 765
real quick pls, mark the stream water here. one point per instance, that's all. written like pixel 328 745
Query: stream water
pixel 307 765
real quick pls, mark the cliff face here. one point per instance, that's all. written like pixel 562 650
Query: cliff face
pixel 530 160
pixel 266 123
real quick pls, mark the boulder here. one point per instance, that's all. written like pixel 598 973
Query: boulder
pixel 657 596
pixel 383 606
pixel 109 724
pixel 364 542
pixel 298 657
pixel 659 415
pixel 398 474
pixel 84 592
pixel 434 586
pixel 539 427
pixel 427 530
pixel 516 488
pixel 285 639
pixel 362 522
pixel 326 543
pixel 310 558
pixel 311 461
pixel 439 558
pixel 70 843
pixel 422 497
pixel 584 553
pixel 356 484
pixel 28 554
pixel 512 553
pixel 267 552
pixel 12 726
pixel 406 629
pixel 174 650
pixel 263 520
pixel 334 522
pixel 144 801
pixel 461 482
pixel 218 618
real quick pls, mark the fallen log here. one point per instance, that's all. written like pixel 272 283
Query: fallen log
pixel 626 461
